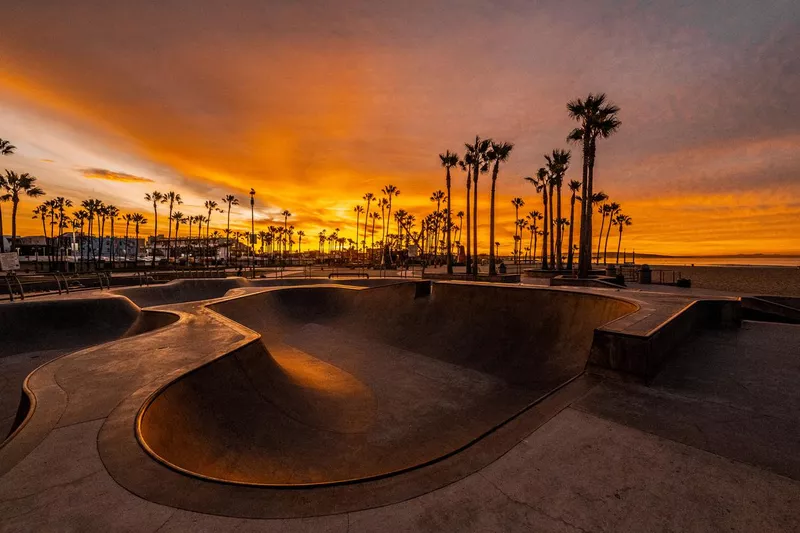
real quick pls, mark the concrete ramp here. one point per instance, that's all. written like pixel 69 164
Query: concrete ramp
pixel 354 384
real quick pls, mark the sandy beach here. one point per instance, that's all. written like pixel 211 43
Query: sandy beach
pixel 752 280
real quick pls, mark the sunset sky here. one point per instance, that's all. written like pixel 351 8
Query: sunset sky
pixel 316 103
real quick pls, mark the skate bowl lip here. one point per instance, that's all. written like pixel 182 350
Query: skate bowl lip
pixel 251 337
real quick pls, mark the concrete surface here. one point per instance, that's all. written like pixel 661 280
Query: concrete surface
pixel 710 445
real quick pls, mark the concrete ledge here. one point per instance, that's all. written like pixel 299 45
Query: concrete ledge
pixel 602 282
pixel 497 278
pixel 642 355
pixel 772 309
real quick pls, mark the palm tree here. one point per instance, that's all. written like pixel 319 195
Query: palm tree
pixel 614 209
pixel 211 206
pixel 40 212
pixel 499 153
pixel 540 182
pixel 534 217
pixel 79 219
pixel 300 235
pixel 368 197
pixel 603 210
pixel 157 198
pixel 449 160
pixel 179 219
pixel 390 191
pixel 128 218
pixel 517 203
pixel 6 148
pixel 466 165
pixel 173 198
pixel 230 200
pixel 113 213
pixel 621 220
pixel 374 216
pixel 101 213
pixel 286 214
pixel 358 210
pixel 597 119
pixel 557 165
pixel 436 196
pixel 60 203
pixel 574 187
pixel 201 221
pixel 138 219
pixel 479 154
pixel 13 183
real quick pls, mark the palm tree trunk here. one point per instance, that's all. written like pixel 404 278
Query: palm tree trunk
pixel 169 233
pixel 552 228
pixel 469 226
pixel 155 236
pixel 619 242
pixel 560 227
pixel 475 220
pixel 584 246
pixel 600 236
pixel 492 266
pixel 570 253
pixel 545 265
pixel 14 207
pixel 608 233
pixel 127 230
pixel 2 240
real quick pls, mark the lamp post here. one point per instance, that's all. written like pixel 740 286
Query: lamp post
pixel 252 232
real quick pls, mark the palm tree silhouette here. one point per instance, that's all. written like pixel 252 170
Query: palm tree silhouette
pixel 613 211
pixel 300 235
pixel 6 148
pixel 230 200
pixel 436 196
pixel 13 184
pixel 574 187
pixel 479 153
pixel 368 197
pixel 113 212
pixel 390 191
pixel 517 203
pixel 449 160
pixel 620 221
pixel 179 219
pixel 499 153
pixel 173 198
pixel 138 219
pixel 597 119
pixel 157 198
pixel 557 165
pixel 60 203
pixel 603 210
pixel 374 216
pixel 541 182
pixel 286 214
pixel 128 218
pixel 466 165
pixel 358 210
pixel 534 217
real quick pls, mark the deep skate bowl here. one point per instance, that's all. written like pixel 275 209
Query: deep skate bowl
pixel 353 384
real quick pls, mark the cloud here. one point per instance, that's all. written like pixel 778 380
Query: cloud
pixel 110 175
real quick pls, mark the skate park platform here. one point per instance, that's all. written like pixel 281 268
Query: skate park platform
pixel 315 406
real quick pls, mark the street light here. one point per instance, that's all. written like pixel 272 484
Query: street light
pixel 253 232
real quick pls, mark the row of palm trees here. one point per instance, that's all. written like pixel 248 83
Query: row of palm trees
pixel 13 186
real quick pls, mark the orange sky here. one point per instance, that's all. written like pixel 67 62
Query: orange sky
pixel 315 106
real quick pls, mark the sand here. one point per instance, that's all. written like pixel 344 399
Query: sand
pixel 783 281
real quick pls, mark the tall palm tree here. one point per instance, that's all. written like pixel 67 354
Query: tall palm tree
pixel 448 161
pixel 157 198
pixel 368 197
pixel 172 198
pixel 202 220
pixel 613 211
pixel 128 218
pixel 517 203
pixel 499 153
pixel 138 220
pixel 574 187
pixel 60 203
pixel 179 219
pixel 101 213
pixel 621 220
pixel 211 206
pixel 358 210
pixel 466 166
pixel 6 148
pixel 597 120
pixel 557 165
pixel 479 154
pixel 13 184
pixel 79 220
pixel 113 213
pixel 230 200
pixel 436 196
pixel 300 235
pixel 286 214
pixel 390 191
